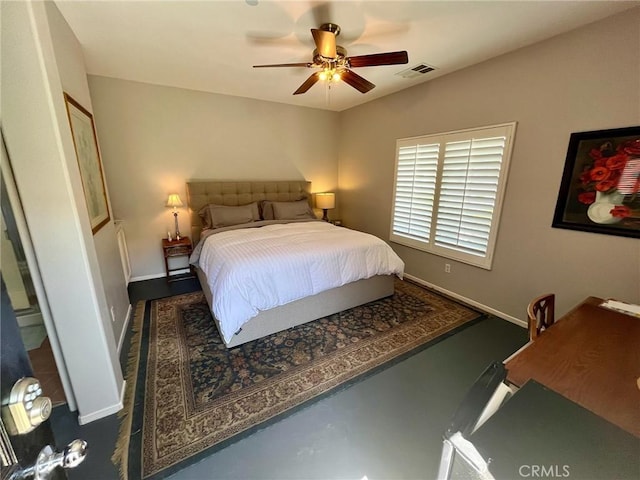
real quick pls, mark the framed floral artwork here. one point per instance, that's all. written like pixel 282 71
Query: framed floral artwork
pixel 600 189
pixel 85 142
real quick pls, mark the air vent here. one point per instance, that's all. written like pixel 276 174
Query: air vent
pixel 416 71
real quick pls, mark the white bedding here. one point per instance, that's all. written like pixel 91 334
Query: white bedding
pixel 254 269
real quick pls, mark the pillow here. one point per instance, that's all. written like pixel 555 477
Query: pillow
pixel 217 216
pixel 266 206
pixel 266 209
pixel 292 210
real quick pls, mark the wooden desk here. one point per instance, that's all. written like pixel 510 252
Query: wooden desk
pixel 592 357
pixel 539 427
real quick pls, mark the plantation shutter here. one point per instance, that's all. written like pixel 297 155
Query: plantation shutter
pixel 468 192
pixel 416 173
pixel 448 192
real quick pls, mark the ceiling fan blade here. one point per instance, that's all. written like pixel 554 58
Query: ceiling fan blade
pixel 308 83
pixel 389 58
pixel 308 65
pixel 325 43
pixel 356 81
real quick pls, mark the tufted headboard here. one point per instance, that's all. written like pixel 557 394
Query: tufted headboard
pixel 203 192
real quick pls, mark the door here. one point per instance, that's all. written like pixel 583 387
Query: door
pixel 14 364
pixel 23 405
pixel 26 292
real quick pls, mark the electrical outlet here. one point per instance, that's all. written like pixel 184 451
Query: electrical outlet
pixel 447 268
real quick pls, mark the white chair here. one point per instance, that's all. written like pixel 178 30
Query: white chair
pixel 460 458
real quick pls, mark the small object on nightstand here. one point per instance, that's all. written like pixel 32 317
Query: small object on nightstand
pixel 175 202
pixel 337 223
pixel 325 201
pixel 169 237
pixel 177 248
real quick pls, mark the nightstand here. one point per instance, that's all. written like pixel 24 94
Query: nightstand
pixel 176 248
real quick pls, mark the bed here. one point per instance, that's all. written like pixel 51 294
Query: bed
pixel 266 321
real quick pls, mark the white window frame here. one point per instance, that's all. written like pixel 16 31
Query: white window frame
pixel 423 236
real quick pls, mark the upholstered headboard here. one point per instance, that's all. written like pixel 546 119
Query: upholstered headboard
pixel 203 192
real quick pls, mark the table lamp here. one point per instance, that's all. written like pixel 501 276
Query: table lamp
pixel 325 201
pixel 175 202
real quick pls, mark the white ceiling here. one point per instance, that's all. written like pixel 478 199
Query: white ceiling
pixel 212 45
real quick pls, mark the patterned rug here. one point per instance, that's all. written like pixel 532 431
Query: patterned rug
pixel 188 395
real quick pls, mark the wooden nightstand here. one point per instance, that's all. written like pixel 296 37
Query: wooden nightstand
pixel 176 248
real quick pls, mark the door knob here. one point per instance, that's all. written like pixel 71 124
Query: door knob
pixel 48 459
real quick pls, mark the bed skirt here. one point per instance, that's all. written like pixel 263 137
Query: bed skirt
pixel 306 309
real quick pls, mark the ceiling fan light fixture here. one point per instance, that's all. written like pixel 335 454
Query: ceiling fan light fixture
pixel 334 65
pixel 329 74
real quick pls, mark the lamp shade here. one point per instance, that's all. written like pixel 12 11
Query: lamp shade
pixel 325 200
pixel 174 200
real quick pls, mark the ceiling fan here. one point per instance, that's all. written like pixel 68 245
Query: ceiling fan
pixel 333 64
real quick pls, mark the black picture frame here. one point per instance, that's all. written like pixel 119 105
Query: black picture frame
pixel 600 185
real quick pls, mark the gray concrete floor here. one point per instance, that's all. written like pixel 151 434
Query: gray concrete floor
pixel 387 426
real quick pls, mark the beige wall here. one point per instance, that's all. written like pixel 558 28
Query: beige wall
pixel 588 79
pixel 73 76
pixel 39 143
pixel 155 138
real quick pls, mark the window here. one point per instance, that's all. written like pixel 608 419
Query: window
pixel 448 192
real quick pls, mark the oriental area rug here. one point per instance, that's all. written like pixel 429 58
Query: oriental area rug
pixel 188 395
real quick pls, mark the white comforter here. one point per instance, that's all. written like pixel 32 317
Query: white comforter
pixel 254 269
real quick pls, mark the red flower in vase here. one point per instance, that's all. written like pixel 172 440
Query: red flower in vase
pixel 605 185
pixel 587 198
pixel 631 147
pixel 617 162
pixel 599 173
pixel 607 168
pixel 620 211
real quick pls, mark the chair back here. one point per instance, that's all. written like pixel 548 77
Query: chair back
pixel 541 314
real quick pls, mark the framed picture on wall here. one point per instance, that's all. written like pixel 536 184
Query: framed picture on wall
pixel 86 146
pixel 600 189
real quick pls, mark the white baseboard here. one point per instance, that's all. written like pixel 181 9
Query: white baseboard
pixel 123 333
pixel 105 412
pixel 147 277
pixel 30 319
pixel 158 275
pixel 469 301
